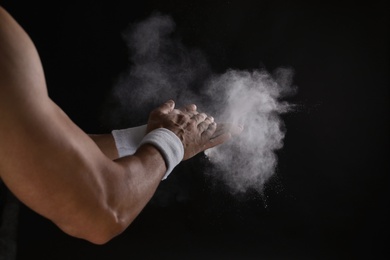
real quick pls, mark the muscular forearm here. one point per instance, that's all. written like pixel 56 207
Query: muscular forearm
pixel 128 186
pixel 143 171
pixel 106 144
pixel 159 152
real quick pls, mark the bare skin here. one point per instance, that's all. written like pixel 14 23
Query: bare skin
pixel 74 179
pixel 107 144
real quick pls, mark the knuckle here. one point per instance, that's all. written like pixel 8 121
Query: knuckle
pixel 185 117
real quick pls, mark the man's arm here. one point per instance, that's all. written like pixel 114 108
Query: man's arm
pixel 56 169
pixel 106 144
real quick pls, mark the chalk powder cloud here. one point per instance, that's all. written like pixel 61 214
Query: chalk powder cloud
pixel 163 68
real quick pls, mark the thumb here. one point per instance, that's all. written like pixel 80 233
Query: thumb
pixel 167 107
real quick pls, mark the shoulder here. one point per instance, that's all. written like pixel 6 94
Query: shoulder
pixel 21 73
pixel 24 103
pixel 22 82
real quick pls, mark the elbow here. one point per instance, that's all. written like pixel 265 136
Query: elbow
pixel 99 236
pixel 99 214
pixel 99 239
pixel 103 236
pixel 99 233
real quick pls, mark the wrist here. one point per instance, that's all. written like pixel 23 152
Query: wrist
pixel 168 144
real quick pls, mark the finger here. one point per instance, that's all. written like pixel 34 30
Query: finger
pixel 209 131
pixel 199 117
pixel 215 140
pixel 221 128
pixel 189 108
pixel 209 119
pixel 204 126
pixel 220 139
pixel 236 129
pixel 167 107
pixel 233 129
pixel 176 111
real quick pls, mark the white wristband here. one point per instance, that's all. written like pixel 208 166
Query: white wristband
pixel 127 140
pixel 169 145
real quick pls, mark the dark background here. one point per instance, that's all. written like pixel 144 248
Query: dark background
pixel 330 196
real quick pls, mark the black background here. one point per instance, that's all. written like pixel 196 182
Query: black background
pixel 330 196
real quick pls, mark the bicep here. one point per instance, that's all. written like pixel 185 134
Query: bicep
pixel 47 161
pixel 42 152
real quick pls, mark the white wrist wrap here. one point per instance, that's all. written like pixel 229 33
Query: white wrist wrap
pixel 127 140
pixel 169 145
